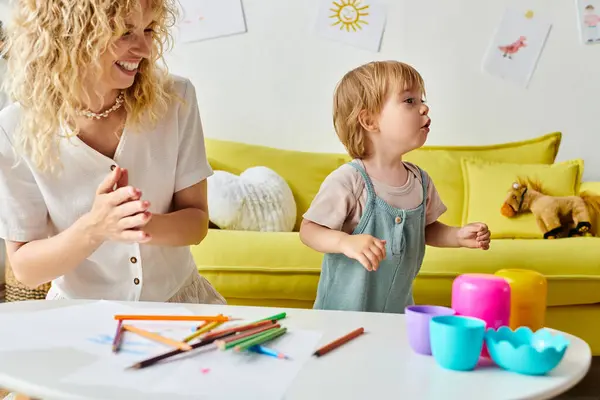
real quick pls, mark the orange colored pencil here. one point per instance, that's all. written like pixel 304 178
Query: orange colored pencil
pixel 338 342
pixel 212 318
pixel 158 338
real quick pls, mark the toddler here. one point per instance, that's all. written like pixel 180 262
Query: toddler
pixel 372 217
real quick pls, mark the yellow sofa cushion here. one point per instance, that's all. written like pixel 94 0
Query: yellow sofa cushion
pixel 264 265
pixel 443 164
pixel 571 265
pixel 277 268
pixel 304 172
pixel 487 184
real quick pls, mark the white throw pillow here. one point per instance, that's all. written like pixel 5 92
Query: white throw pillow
pixel 257 200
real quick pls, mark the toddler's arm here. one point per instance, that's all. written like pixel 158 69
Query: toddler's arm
pixel 438 234
pixel 324 226
pixel 321 238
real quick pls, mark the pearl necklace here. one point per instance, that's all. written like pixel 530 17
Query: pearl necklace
pixel 115 107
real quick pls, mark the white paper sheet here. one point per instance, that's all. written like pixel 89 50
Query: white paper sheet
pixel 358 23
pixel 206 19
pixel 204 372
pixel 46 328
pixel 516 47
pixel 83 327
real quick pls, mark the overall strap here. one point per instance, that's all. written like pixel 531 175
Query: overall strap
pixel 368 183
pixel 424 183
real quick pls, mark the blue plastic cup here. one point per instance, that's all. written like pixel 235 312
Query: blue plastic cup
pixel 456 341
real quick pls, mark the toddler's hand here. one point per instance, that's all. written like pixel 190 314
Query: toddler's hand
pixel 366 249
pixel 474 236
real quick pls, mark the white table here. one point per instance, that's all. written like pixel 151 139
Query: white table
pixel 377 365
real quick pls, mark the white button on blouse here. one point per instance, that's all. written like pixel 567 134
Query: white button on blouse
pixel 160 162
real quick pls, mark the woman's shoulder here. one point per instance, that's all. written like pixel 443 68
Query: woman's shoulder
pixel 180 85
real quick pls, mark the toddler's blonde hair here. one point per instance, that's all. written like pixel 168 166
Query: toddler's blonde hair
pixel 367 88
pixel 51 43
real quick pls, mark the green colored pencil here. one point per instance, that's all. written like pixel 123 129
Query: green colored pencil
pixel 275 317
pixel 233 343
pixel 267 336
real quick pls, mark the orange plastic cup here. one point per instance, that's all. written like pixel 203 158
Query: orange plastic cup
pixel 529 291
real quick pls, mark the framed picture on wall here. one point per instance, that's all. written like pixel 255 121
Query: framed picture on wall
pixel 588 21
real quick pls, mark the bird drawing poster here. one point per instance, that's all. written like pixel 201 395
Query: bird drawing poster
pixel 516 46
pixel 358 23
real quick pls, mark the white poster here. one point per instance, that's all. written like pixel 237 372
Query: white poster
pixel 358 23
pixel 588 21
pixel 516 46
pixel 207 19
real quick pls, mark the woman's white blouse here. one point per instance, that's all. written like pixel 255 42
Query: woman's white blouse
pixel 160 162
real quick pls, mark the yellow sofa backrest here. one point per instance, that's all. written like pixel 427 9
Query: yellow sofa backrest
pixel 443 164
pixel 305 171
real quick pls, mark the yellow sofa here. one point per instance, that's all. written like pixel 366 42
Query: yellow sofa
pixel 276 269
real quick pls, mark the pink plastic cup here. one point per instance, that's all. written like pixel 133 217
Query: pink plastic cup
pixel 483 296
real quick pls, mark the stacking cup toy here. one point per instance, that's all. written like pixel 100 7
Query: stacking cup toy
pixel 528 293
pixel 483 296
pixel 417 324
pixel 456 341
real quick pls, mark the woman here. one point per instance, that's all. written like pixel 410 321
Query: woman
pixel 102 159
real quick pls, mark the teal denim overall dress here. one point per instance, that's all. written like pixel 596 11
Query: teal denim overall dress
pixel 346 285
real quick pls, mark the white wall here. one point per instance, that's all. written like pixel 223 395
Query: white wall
pixel 274 85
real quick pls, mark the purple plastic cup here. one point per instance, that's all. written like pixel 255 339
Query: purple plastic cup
pixel 417 325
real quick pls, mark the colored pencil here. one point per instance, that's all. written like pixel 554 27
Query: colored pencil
pixel 205 328
pixel 276 317
pixel 260 339
pixel 202 325
pixel 205 341
pixel 118 337
pixel 213 318
pixel 231 341
pixel 338 342
pixel 240 328
pixel 158 338
pixel 268 352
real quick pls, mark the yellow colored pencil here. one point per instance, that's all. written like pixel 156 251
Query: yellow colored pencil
pixel 158 338
pixel 205 328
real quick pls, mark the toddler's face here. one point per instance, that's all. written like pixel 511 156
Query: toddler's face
pixel 403 122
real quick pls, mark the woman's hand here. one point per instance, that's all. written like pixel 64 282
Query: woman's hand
pixel 118 213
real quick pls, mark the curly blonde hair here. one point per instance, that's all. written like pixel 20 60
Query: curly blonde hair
pixel 367 87
pixel 51 43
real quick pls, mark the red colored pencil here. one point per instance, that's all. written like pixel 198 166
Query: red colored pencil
pixel 338 342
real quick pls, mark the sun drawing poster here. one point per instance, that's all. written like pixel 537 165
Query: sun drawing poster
pixel 207 19
pixel 516 46
pixel 358 23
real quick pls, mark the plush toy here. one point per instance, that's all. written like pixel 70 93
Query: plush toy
pixel 556 216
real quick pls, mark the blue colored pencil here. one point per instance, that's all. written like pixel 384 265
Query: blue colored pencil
pixel 268 352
